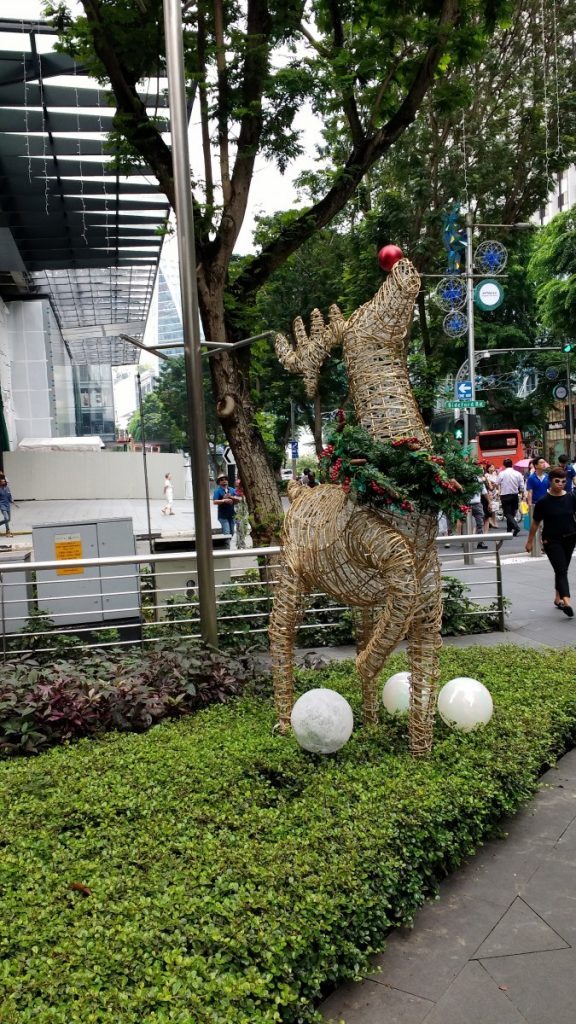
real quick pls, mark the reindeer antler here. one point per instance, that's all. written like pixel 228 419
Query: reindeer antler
pixel 311 350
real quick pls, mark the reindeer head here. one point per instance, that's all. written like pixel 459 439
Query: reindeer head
pixel 384 317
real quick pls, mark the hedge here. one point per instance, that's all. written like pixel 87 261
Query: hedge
pixel 211 872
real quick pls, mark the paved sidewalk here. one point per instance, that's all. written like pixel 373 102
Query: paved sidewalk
pixel 499 945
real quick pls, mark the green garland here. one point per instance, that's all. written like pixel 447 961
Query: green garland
pixel 401 475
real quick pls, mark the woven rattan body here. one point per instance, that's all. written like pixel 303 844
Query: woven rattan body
pixel 383 563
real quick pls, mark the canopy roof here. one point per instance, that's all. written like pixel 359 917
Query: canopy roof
pixel 71 226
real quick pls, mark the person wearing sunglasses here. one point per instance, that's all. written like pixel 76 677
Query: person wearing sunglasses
pixel 557 513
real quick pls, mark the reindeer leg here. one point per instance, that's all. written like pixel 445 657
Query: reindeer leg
pixel 284 619
pixel 424 643
pixel 389 630
pixel 364 622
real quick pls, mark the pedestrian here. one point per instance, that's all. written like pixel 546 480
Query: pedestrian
pixel 537 482
pixel 226 499
pixel 312 481
pixel 242 518
pixel 5 503
pixel 511 484
pixel 568 468
pixel 304 477
pixel 557 513
pixel 168 496
pixel 492 494
pixel 477 509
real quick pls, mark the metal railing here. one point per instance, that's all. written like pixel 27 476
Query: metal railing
pixel 46 606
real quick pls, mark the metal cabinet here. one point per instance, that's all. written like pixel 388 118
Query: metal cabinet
pixel 15 592
pixel 87 594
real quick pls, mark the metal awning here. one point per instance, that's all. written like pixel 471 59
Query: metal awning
pixel 72 227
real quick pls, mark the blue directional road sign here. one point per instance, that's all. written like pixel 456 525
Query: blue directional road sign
pixel 294 447
pixel 464 389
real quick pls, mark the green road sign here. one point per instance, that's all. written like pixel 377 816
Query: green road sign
pixel 465 403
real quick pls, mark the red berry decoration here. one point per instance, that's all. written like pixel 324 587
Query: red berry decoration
pixel 388 256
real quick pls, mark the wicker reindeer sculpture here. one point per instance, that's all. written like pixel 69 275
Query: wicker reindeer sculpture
pixel 382 562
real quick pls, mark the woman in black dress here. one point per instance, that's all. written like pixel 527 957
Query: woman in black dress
pixel 557 513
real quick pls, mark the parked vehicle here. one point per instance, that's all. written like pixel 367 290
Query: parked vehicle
pixel 496 445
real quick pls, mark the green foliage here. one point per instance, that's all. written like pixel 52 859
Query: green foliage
pixel 159 425
pixel 213 872
pixel 552 268
pixel 244 609
pixel 43 704
pixel 461 616
pixel 401 475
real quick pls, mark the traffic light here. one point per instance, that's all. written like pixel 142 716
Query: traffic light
pixel 569 346
pixel 458 430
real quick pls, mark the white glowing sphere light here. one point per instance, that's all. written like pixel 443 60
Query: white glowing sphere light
pixel 465 704
pixel 322 721
pixel 396 693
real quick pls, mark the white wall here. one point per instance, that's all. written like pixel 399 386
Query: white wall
pixel 29 375
pixel 6 373
pixel 53 475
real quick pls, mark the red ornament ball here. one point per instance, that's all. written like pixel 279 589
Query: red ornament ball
pixel 388 256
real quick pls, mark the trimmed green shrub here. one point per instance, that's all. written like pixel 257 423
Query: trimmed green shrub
pixel 211 872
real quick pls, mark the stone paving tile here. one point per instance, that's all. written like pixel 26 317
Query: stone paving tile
pixel 367 1003
pixel 551 893
pixel 499 870
pixel 547 816
pixel 542 986
pixel 520 930
pixel 425 960
pixel 474 998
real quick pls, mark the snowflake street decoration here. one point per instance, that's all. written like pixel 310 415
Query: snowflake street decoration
pixel 455 324
pixel 451 293
pixel 490 257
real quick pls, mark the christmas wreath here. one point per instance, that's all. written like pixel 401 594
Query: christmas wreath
pixel 401 475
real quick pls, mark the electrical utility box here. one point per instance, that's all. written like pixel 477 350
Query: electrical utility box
pixel 87 594
pixel 15 593
pixel 178 578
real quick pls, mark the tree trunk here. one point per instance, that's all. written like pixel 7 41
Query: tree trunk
pixel 230 382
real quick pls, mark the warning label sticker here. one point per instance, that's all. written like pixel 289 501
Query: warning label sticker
pixel 66 546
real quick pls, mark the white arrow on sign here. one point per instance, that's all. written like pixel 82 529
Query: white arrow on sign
pixel 228 456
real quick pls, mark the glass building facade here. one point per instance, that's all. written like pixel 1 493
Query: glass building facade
pixel 94 401
pixel 169 318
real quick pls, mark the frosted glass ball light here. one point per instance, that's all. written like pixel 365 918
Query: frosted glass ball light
pixel 396 693
pixel 322 721
pixel 465 703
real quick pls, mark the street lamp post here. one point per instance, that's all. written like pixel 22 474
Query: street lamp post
pixel 197 441
pixel 570 405
pixel 293 436
pixel 469 415
pixel 144 461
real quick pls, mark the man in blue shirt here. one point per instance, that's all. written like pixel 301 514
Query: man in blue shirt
pixel 568 468
pixel 537 483
pixel 226 499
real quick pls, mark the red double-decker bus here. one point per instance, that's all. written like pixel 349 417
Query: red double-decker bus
pixel 496 445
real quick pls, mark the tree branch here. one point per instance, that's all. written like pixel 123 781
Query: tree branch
pixel 360 160
pixel 348 99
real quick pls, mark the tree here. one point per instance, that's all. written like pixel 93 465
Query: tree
pixel 370 61
pixel 552 270
pixel 158 423
pixel 488 136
